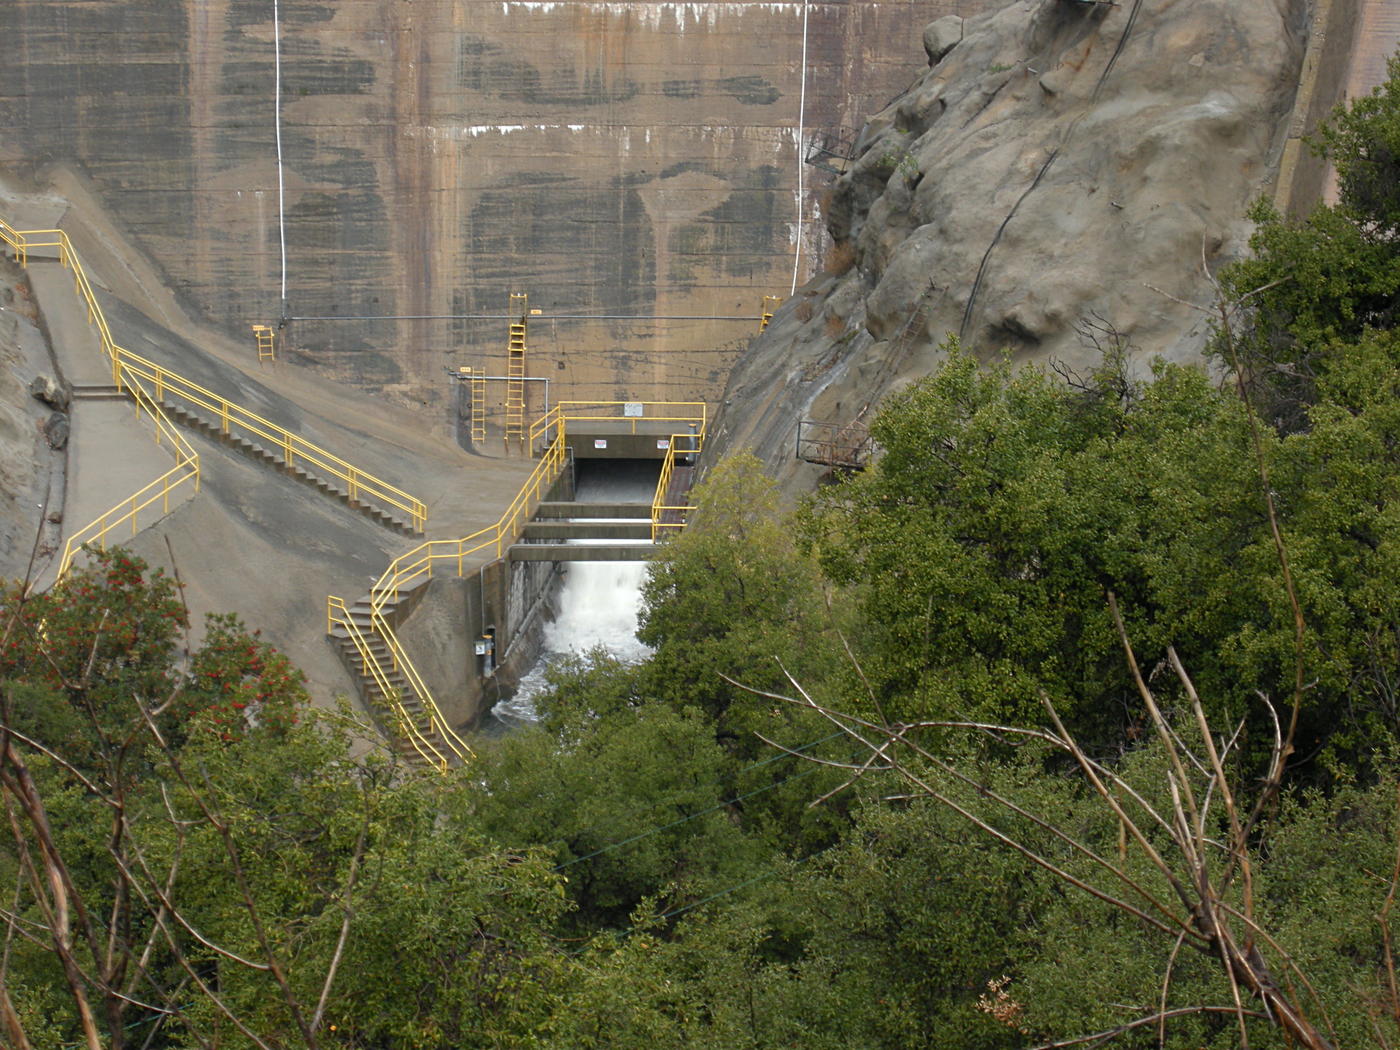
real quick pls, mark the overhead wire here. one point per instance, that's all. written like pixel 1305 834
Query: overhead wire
pixel 277 120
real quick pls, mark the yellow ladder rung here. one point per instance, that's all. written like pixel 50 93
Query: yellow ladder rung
pixel 515 368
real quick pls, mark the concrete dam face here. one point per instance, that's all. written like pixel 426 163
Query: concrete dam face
pixel 618 158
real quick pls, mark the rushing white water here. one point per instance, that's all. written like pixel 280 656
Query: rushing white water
pixel 597 605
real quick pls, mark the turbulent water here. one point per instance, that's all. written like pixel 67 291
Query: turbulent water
pixel 597 605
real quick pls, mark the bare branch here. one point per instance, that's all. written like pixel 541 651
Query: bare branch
pixel 1142 1022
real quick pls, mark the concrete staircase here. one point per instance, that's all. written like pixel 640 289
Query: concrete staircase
pixel 180 413
pixel 97 392
pixel 395 610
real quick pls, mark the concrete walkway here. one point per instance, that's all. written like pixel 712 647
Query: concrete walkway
pixel 111 454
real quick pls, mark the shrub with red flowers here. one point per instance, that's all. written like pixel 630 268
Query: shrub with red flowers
pixel 77 656
pixel 80 657
pixel 238 683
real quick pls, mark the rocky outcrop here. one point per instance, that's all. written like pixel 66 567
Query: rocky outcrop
pixel 31 460
pixel 1060 162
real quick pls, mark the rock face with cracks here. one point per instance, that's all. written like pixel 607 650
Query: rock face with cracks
pixel 1059 163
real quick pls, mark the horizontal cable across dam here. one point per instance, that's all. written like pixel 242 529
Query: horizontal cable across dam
pixel 534 317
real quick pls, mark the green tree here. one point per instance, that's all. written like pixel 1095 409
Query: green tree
pixel 732 596
pixel 1313 285
pixel 194 857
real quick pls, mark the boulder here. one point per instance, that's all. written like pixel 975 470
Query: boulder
pixel 50 391
pixel 941 36
pixel 56 430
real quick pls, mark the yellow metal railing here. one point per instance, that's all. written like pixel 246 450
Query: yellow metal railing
pixel 186 466
pixel 129 368
pixel 186 469
pixel 635 413
pixel 294 450
pixel 672 516
pixel 420 562
pixel 408 725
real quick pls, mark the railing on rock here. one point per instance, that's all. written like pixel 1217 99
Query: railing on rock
pixel 846 446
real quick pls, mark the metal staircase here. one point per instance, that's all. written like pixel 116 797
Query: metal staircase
pixel 515 370
pixel 275 456
pixel 363 636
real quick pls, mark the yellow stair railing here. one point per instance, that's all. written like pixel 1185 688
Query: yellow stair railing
pixel 407 725
pixel 420 562
pixel 294 449
pixel 130 371
pixel 186 468
pixel 515 369
pixel 670 518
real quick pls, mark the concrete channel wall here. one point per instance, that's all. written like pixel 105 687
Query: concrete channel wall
pixel 1303 177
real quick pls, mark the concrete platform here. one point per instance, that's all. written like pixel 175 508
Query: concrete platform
pixel 590 510
pixel 581 551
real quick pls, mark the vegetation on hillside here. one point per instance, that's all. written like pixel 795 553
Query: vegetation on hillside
pixel 1074 718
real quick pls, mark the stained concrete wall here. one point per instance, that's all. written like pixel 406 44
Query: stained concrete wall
pixel 1303 177
pixel 607 156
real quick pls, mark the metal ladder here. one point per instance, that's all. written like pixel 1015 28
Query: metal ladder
pixel 515 370
pixel 478 387
pixel 267 342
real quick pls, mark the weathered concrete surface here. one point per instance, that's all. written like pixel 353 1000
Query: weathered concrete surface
pixel 1335 43
pixel 1062 162
pixel 608 156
